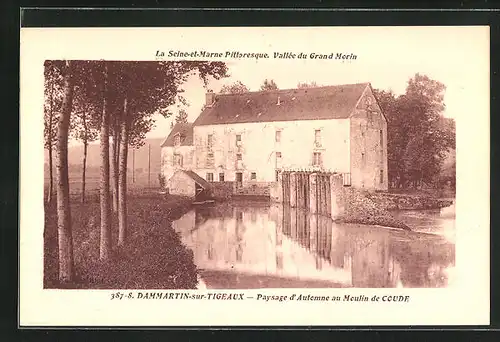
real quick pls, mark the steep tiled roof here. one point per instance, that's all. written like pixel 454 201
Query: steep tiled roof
pixel 186 132
pixel 194 176
pixel 332 102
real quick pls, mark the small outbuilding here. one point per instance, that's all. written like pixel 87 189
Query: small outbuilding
pixel 188 183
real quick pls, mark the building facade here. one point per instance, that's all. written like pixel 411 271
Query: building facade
pixel 177 150
pixel 251 137
pixel 189 184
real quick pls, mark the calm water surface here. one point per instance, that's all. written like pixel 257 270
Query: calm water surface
pixel 274 246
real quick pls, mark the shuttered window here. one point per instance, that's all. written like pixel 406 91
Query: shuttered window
pixel 317 137
pixel 317 159
pixel 177 160
pixel 210 142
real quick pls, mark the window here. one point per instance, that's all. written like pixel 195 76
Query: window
pixel 253 176
pixel 381 176
pixel 210 141
pixel 317 161
pixel 381 138
pixel 177 139
pixel 239 177
pixel 277 175
pixel 278 136
pixel 317 137
pixel 177 160
pixel 238 138
pixel 278 159
pixel 221 177
pixel 210 160
pixel 210 177
pixel 346 179
pixel 239 156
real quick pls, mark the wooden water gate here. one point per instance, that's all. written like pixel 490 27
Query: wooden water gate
pixel 317 192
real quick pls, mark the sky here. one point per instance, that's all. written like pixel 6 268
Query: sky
pixel 386 57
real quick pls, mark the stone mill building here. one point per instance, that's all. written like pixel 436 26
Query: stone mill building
pixel 250 138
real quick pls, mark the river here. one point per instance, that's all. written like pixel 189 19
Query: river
pixel 256 245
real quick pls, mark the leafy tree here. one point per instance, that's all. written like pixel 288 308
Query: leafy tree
pixel 181 117
pixel 121 98
pixel 306 85
pixel 83 127
pixel 235 88
pixel 105 240
pixel 52 106
pixel 144 89
pixel 64 232
pixel 269 85
pixel 418 141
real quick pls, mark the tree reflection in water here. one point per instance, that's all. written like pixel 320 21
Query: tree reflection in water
pixel 287 247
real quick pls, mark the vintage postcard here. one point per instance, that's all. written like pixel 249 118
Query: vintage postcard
pixel 254 176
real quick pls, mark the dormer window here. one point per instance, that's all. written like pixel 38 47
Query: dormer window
pixel 177 139
pixel 317 138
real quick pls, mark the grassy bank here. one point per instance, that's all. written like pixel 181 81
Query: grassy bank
pixel 153 257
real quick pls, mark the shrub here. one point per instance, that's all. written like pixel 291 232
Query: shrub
pixel 161 180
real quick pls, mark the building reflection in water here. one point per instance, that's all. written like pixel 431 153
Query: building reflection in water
pixel 279 246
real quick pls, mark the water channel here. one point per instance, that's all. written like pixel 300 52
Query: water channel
pixel 258 245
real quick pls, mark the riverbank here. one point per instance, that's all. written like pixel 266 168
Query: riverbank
pixel 153 257
pixel 361 209
pixel 401 201
pixel 374 208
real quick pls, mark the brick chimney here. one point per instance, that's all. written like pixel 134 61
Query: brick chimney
pixel 209 99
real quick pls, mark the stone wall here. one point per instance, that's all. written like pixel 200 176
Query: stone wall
pixel 253 189
pixel 228 190
pixel 222 190
pixel 368 136
pixel 390 201
pixel 181 184
pixel 363 210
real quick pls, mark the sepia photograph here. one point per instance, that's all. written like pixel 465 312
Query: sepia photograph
pixel 313 186
pixel 259 167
